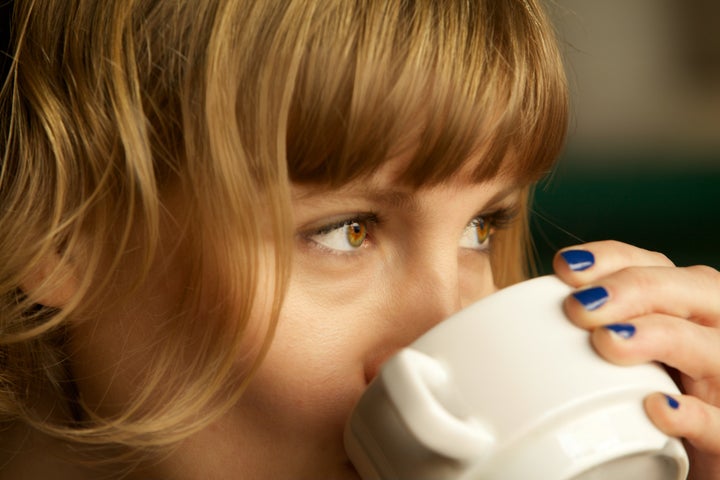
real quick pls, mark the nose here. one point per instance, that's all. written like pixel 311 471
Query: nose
pixel 430 294
pixel 425 291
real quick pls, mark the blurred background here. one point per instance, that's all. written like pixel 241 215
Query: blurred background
pixel 642 162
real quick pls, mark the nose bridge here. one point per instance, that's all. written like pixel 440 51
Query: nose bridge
pixel 425 289
pixel 432 291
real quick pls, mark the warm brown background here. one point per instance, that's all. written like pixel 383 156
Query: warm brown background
pixel 642 162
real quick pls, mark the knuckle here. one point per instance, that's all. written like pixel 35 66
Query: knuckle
pixel 667 337
pixel 651 258
pixel 640 277
pixel 703 418
pixel 641 256
pixel 661 259
pixel 708 273
pixel 615 243
pixel 618 246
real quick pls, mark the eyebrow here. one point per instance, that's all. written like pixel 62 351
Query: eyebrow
pixel 387 197
pixel 406 200
pixel 393 198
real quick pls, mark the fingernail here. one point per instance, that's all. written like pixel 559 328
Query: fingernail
pixel 592 298
pixel 624 330
pixel 578 260
pixel 672 403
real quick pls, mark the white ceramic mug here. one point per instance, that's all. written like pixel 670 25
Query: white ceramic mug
pixel 509 389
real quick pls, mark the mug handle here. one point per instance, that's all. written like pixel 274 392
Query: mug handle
pixel 410 378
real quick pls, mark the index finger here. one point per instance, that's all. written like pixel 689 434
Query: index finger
pixel 587 263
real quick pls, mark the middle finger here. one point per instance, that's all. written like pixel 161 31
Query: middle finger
pixel 689 293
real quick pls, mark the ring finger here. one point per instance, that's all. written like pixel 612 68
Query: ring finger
pixel 686 346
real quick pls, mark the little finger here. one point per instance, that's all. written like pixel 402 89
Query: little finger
pixel 687 417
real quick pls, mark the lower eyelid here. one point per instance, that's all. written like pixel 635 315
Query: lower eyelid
pixel 323 251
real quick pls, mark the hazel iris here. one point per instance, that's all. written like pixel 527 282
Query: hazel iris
pixel 483 230
pixel 355 233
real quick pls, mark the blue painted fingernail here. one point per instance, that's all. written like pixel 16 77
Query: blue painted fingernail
pixel 624 330
pixel 592 298
pixel 578 260
pixel 672 403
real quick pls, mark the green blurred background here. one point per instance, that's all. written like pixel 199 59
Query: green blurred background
pixel 642 163
pixel 672 210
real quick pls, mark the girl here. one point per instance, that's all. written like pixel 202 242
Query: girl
pixel 218 218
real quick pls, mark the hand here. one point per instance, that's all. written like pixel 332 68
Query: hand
pixel 641 308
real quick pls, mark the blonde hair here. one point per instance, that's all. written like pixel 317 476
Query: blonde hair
pixel 111 105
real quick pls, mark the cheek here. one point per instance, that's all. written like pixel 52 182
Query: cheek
pixel 475 277
pixel 111 358
pixel 315 364
pixel 158 332
pixel 321 334
pixel 313 374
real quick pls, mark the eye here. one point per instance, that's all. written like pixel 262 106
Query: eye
pixel 345 236
pixel 476 235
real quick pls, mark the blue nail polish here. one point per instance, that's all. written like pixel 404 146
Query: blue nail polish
pixel 624 330
pixel 578 260
pixel 672 403
pixel 592 298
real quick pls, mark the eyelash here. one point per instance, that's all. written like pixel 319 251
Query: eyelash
pixel 495 220
pixel 370 219
pixel 502 218
pixel 499 219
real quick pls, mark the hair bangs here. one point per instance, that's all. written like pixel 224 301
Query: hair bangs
pixel 469 83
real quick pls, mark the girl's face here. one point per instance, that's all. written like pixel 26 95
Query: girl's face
pixel 376 264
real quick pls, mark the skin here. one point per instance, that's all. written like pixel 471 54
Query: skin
pixel 676 313
pixel 347 309
pixel 346 312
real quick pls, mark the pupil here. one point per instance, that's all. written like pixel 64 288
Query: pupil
pixel 482 230
pixel 356 234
